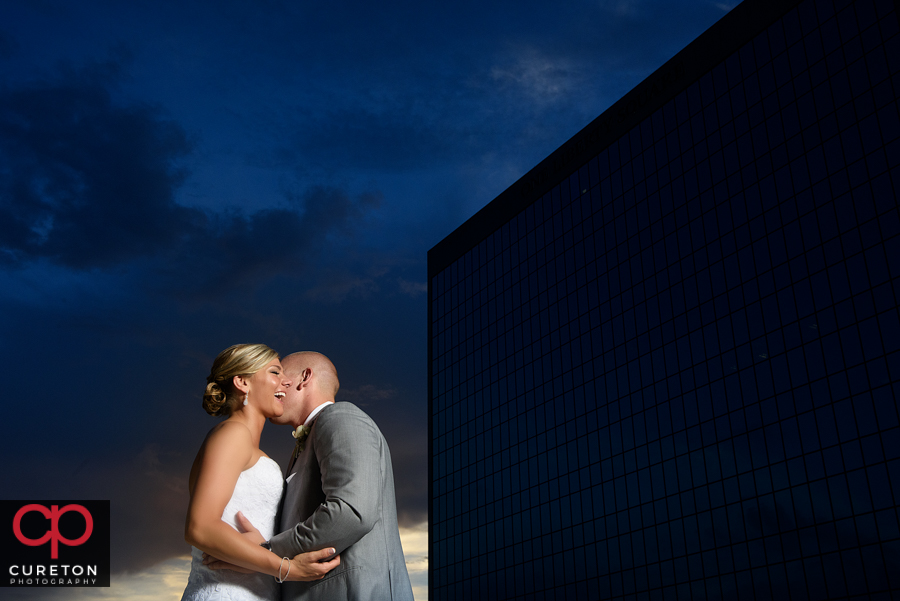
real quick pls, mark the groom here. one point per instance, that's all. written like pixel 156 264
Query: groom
pixel 339 492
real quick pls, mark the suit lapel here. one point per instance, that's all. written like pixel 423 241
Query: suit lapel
pixel 312 432
pixel 291 464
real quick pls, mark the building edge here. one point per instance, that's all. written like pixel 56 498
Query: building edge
pixel 726 36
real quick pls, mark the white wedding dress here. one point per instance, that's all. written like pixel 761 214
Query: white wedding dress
pixel 257 494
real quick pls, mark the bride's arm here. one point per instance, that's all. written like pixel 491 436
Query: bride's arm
pixel 225 453
pixel 312 565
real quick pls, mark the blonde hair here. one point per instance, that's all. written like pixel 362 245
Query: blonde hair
pixel 221 397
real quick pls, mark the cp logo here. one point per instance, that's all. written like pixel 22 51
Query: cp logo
pixel 53 534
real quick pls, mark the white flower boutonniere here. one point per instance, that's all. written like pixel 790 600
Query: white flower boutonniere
pixel 300 434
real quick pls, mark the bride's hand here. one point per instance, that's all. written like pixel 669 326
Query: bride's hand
pixel 313 565
pixel 214 563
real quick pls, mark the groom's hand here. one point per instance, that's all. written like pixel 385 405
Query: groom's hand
pixel 250 532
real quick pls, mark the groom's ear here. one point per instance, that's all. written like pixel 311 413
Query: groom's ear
pixel 306 375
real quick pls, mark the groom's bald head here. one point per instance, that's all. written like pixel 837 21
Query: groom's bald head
pixel 315 381
pixel 320 368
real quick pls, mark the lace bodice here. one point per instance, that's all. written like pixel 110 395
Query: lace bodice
pixel 257 494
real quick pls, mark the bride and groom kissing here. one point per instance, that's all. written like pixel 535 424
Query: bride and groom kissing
pixel 334 535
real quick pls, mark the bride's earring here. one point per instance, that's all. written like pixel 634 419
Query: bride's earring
pixel 245 399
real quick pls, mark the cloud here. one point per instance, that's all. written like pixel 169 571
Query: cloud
pixel 232 251
pixel 86 182
pixel 620 8
pixel 382 134
pixel 444 119
pixel 415 549
pixel 543 79
pixel 408 439
pixel 336 286
pixel 413 289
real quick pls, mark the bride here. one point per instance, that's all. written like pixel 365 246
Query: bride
pixel 232 476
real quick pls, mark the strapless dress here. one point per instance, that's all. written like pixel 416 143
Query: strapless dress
pixel 257 494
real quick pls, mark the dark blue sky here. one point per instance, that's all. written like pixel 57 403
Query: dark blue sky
pixel 176 177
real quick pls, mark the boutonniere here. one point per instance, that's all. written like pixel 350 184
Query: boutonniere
pixel 300 434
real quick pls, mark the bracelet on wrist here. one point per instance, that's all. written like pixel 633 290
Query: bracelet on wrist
pixel 278 578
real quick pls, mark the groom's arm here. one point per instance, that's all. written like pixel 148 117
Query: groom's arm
pixel 348 448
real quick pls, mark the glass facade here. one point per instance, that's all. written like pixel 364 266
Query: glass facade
pixel 675 375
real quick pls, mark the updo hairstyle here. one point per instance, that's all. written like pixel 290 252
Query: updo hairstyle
pixel 221 397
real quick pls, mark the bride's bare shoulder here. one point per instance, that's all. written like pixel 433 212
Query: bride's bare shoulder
pixel 228 437
pixel 227 445
pixel 229 428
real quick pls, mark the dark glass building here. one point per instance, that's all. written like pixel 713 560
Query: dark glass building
pixel 665 364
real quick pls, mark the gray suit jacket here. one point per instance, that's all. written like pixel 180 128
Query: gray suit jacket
pixel 341 495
